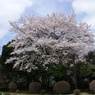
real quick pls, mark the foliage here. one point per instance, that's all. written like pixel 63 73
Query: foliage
pixel 90 57
pixel 92 86
pixel 77 92
pixel 45 40
pixel 58 71
pixel 4 93
pixel 42 92
pixel 17 91
pixel 3 87
pixel 6 69
pixel 35 87
pixel 84 69
pixel 61 87
pixel 12 86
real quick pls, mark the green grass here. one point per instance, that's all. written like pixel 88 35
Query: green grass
pixel 19 94
pixel 6 93
pixel 83 94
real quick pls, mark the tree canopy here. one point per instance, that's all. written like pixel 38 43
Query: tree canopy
pixel 49 39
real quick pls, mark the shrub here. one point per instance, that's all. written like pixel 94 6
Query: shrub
pixel 12 86
pixel 3 87
pixel 35 87
pixel 4 93
pixel 61 87
pixel 17 91
pixel 0 93
pixel 51 84
pixel 42 91
pixel 92 86
pixel 77 92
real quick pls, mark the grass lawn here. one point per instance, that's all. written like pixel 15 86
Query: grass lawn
pixel 49 94
pixel 5 93
pixel 83 94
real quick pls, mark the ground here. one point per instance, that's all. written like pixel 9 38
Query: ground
pixel 46 94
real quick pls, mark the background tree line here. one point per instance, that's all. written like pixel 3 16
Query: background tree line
pixel 85 71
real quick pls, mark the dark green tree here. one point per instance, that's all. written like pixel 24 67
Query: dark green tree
pixel 90 57
pixel 7 69
pixel 58 71
pixel 84 73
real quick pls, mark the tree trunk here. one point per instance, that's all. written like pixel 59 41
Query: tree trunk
pixel 75 73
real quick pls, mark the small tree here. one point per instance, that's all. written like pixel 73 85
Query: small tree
pixel 6 70
pixel 58 72
pixel 90 57
pixel 84 73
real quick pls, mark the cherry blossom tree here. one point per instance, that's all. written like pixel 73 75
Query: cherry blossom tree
pixel 49 39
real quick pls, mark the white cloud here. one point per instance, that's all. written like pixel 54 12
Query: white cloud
pixel 90 19
pixel 87 7
pixel 65 0
pixel 11 10
pixel 44 7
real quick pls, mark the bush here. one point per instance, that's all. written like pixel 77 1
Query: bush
pixel 17 91
pixel 12 86
pixel 3 87
pixel 92 86
pixel 4 93
pixel 77 92
pixel 61 87
pixel 42 91
pixel 35 87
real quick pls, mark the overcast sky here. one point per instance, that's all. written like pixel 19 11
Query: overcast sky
pixel 12 10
